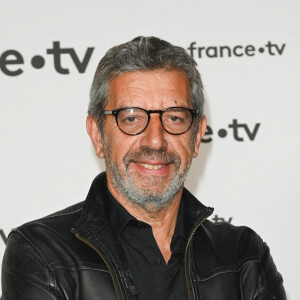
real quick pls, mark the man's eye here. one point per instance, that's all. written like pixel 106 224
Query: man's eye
pixel 131 119
pixel 174 119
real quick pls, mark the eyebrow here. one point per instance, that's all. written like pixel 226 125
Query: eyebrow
pixel 124 106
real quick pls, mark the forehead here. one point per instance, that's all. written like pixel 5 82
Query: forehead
pixel 150 89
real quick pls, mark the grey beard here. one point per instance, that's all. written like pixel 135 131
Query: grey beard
pixel 146 198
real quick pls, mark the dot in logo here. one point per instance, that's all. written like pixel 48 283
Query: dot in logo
pixel 38 62
pixel 261 50
pixel 222 133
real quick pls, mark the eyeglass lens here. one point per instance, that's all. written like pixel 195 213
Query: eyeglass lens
pixel 135 120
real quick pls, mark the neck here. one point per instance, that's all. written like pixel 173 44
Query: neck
pixel 162 221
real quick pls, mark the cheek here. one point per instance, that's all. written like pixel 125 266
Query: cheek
pixel 186 158
pixel 114 137
pixel 120 144
pixel 183 149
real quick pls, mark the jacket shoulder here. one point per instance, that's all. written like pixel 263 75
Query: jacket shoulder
pixel 55 223
pixel 50 237
pixel 30 254
pixel 239 243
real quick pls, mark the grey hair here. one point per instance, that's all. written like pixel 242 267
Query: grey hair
pixel 142 54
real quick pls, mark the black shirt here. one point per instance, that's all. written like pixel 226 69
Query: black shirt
pixel 152 277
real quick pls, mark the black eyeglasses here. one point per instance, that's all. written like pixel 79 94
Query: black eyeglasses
pixel 134 120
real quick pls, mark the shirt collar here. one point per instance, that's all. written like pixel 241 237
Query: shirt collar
pixel 181 229
pixel 120 218
pixel 118 215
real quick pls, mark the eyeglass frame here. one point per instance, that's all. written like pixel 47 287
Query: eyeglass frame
pixel 115 112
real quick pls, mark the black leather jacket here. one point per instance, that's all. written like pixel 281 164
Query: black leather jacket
pixel 73 254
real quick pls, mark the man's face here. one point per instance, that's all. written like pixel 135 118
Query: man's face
pixel 148 169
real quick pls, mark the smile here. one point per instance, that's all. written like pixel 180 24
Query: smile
pixel 151 167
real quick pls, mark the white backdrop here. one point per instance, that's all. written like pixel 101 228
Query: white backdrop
pixel 250 176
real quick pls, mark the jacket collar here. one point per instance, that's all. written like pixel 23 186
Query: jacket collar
pixel 94 217
pixel 93 225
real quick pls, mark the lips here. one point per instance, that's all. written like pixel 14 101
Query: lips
pixel 152 161
pixel 151 167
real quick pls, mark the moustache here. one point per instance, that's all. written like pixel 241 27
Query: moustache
pixel 146 153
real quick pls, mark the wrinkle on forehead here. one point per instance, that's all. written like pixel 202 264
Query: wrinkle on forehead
pixel 150 89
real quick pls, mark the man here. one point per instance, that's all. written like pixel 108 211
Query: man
pixel 140 234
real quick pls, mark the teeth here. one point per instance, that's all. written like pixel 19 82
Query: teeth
pixel 151 167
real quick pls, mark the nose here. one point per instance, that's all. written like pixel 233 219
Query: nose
pixel 154 135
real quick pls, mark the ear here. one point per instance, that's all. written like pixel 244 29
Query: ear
pixel 95 135
pixel 199 135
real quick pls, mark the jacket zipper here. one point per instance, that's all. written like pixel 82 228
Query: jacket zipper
pixel 105 261
pixel 186 254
